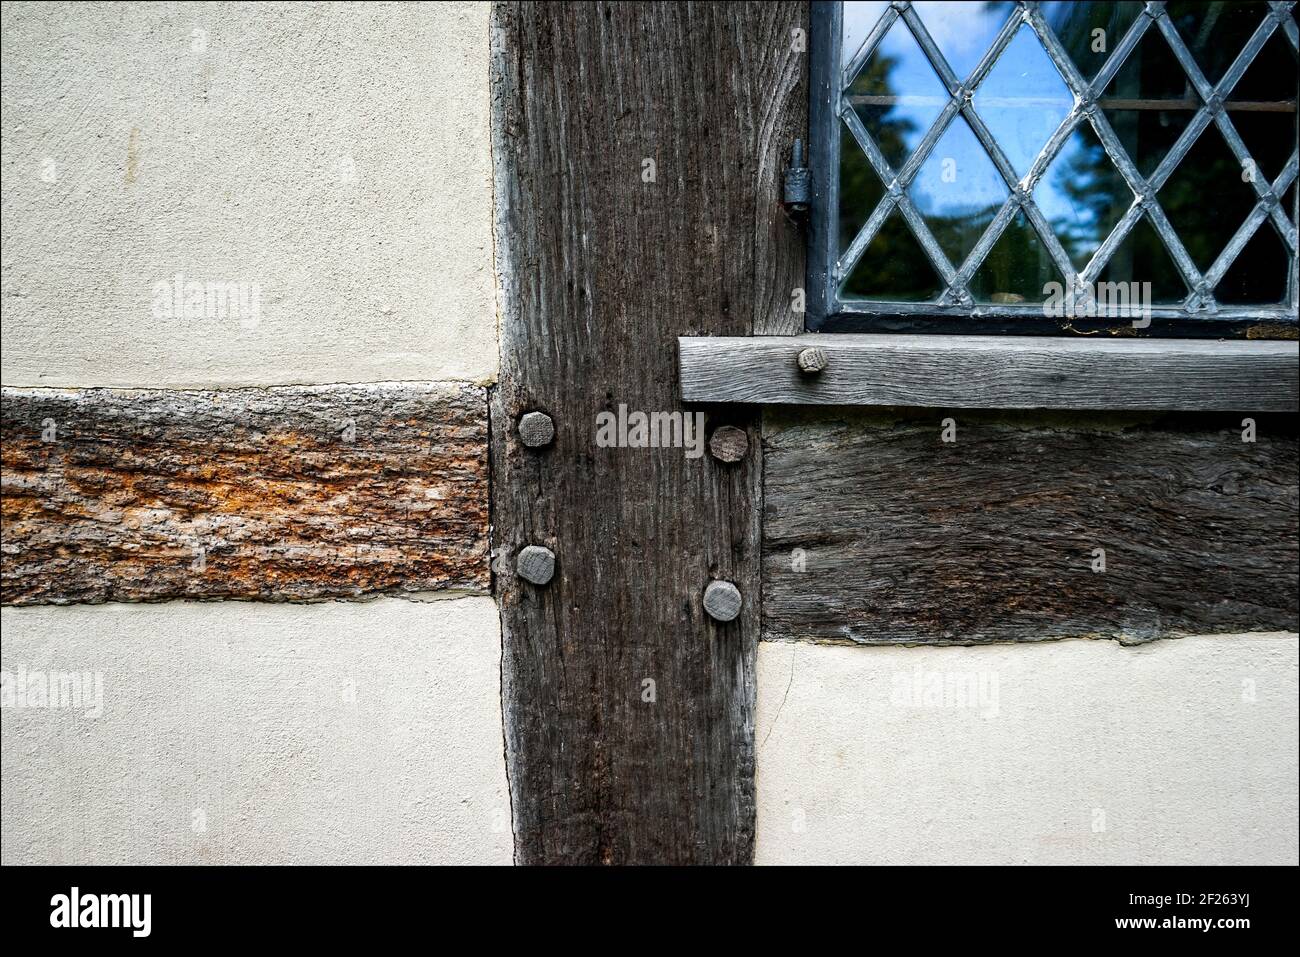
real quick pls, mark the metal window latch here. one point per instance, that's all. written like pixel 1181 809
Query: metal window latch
pixel 798 183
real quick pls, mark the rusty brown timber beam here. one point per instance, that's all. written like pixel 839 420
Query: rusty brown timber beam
pixel 291 493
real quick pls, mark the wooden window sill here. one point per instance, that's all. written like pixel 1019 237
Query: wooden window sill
pixel 995 372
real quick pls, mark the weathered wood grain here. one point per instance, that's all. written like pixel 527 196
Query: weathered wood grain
pixel 779 246
pixel 629 712
pixel 877 531
pixel 277 494
pixel 995 372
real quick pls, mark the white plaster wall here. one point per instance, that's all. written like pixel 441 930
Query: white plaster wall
pixel 339 732
pixel 1188 748
pixel 338 155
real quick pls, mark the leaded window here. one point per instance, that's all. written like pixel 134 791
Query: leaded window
pixel 968 156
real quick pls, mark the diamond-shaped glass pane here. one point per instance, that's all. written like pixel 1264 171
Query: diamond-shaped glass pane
pixel 1083 195
pixel 1215 32
pixel 1023 100
pixel 1142 258
pixel 1089 30
pixel 1206 198
pixel 1262 106
pixel 963 32
pixel 1148 134
pixel 1151 71
pixel 1269 137
pixel 859 17
pixel 1270 77
pixel 897 94
pixel 958 191
pixel 1149 102
pixel 1258 275
pixel 893 268
pixel 860 189
pixel 1017 269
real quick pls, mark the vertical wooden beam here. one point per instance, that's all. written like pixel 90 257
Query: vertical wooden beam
pixel 629 710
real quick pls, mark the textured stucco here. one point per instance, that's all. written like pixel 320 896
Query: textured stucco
pixel 325 733
pixel 1094 753
pixel 337 155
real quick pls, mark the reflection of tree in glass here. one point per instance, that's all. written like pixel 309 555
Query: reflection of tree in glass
pixel 1216 31
pixel 893 267
pixel 1205 198
pixel 1016 269
pixel 889 126
pixel 958 191
pixel 1076 25
pixel 1085 177
pixel 1097 194
pixel 1142 257
pixel 1206 201
pixel 860 188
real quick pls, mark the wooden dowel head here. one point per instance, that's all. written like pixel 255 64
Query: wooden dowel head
pixel 813 360
pixel 536 429
pixel 536 564
pixel 722 600
pixel 729 444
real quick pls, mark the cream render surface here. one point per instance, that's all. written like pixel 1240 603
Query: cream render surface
pixel 334 156
pixel 253 733
pixel 1181 751
pixel 339 158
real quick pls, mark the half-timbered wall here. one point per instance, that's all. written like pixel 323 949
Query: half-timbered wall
pixel 286 536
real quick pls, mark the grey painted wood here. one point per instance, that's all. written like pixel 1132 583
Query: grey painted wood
pixel 878 531
pixel 278 494
pixel 628 710
pixel 1008 372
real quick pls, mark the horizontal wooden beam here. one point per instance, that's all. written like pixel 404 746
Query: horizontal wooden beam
pixel 995 372
pixel 888 527
pixel 278 494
